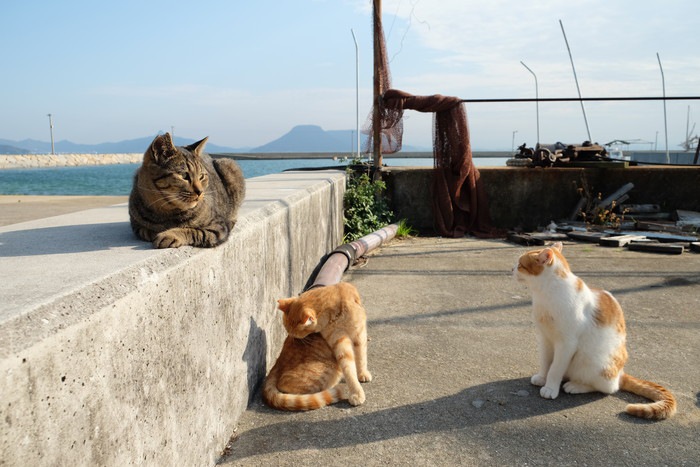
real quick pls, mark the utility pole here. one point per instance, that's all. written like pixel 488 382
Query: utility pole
pixel 51 130
pixel 172 133
pixel 376 117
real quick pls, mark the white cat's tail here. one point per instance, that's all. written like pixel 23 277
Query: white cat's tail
pixel 664 405
pixel 297 402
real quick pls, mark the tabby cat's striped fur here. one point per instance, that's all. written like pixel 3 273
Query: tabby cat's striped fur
pixel 182 197
pixel 327 341
pixel 581 335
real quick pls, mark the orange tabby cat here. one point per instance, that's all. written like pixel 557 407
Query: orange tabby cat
pixel 581 336
pixel 327 340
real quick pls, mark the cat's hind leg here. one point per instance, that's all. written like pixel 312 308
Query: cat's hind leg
pixel 360 348
pixel 572 387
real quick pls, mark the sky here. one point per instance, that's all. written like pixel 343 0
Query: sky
pixel 245 72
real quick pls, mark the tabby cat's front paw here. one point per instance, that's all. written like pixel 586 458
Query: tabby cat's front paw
pixel 364 376
pixel 549 392
pixel 538 380
pixel 357 398
pixel 168 240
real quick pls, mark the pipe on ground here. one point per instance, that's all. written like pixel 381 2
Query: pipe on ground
pixel 340 259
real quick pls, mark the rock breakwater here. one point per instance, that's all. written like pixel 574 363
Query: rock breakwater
pixel 29 161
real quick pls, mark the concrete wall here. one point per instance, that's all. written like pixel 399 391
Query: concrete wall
pixel 532 197
pixel 113 353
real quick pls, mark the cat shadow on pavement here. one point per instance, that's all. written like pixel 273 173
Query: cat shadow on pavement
pixel 69 239
pixel 481 405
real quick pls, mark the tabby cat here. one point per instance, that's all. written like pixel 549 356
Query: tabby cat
pixel 327 341
pixel 581 336
pixel 182 197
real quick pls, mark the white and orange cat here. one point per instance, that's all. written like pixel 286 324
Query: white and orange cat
pixel 581 336
pixel 327 341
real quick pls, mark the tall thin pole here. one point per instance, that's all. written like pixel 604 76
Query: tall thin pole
pixel 357 92
pixel 537 96
pixel 663 84
pixel 376 117
pixel 571 58
pixel 51 130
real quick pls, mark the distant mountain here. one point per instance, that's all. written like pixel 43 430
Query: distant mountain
pixel 7 149
pixel 309 138
pixel 313 138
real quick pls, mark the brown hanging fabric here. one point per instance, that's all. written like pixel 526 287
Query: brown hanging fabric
pixel 460 204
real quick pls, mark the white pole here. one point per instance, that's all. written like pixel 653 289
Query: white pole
pixel 357 92
pixel 51 130
pixel 537 103
pixel 663 84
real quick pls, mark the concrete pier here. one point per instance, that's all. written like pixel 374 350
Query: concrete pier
pixel 114 353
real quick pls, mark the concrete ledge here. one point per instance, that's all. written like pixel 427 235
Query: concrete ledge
pixel 113 353
pixel 532 197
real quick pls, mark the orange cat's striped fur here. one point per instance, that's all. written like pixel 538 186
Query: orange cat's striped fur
pixel 327 341
pixel 581 336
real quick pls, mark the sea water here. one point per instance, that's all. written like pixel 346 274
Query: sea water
pixel 116 180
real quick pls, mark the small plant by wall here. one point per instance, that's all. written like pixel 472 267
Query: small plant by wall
pixel 365 205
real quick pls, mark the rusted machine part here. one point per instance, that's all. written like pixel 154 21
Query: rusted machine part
pixel 338 261
pixel 586 152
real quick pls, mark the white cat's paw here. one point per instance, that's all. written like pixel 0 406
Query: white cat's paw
pixel 549 392
pixel 358 398
pixel 538 380
pixel 576 388
pixel 365 376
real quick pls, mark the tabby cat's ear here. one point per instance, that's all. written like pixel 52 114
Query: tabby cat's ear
pixel 162 148
pixel 198 147
pixel 284 304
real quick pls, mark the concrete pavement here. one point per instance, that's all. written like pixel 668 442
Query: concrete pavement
pixel 452 349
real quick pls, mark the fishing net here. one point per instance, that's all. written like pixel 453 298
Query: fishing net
pixel 460 203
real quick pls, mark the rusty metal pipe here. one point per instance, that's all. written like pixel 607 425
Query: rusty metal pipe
pixel 340 259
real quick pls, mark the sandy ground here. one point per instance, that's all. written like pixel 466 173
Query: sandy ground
pixel 15 209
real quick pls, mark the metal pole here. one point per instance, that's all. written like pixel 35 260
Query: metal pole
pixel 537 104
pixel 357 92
pixel 571 58
pixel 51 130
pixel 663 84
pixel 376 117
pixel 512 144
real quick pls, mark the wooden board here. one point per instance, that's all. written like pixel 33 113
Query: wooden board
pixel 656 247
pixel 593 237
pixel 619 240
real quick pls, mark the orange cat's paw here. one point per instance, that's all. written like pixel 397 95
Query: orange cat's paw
pixel 365 376
pixel 167 240
pixel 357 399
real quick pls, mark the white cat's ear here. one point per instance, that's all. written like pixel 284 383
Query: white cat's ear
pixel 558 246
pixel 546 256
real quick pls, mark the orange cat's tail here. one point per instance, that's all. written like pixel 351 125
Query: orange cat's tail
pixel 664 405
pixel 297 402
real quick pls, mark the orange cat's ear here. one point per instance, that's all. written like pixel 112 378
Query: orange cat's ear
pixel 546 256
pixel 558 246
pixel 284 304
pixel 310 319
